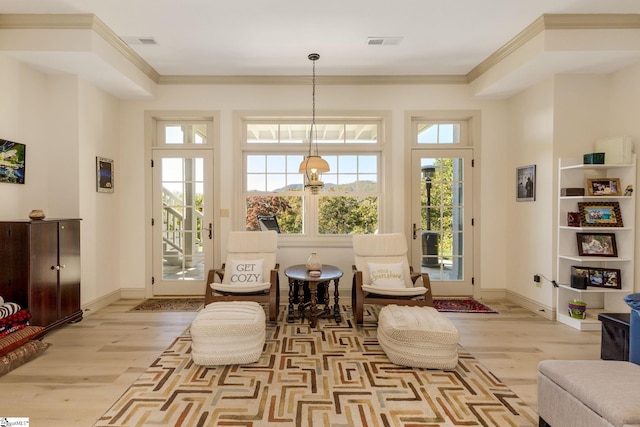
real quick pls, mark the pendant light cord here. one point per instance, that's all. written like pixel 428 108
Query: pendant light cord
pixel 313 57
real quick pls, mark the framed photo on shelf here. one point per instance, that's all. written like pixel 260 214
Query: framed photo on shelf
pixel 526 184
pixel 597 244
pixel 104 175
pixel 604 187
pixel 599 277
pixel 600 214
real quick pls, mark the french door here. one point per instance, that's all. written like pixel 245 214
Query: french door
pixel 441 216
pixel 182 220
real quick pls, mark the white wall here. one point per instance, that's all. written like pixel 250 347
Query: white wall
pixel 530 224
pixel 100 212
pixel 560 117
pixel 64 123
pixel 396 100
pixel 21 120
pixel 623 118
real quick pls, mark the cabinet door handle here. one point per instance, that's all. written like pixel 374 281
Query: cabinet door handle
pixel 55 267
pixel 62 266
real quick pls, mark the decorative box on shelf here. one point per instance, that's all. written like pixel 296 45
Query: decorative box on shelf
pixel 564 192
pixel 593 159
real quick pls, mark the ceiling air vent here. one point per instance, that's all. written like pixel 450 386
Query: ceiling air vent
pixel 147 41
pixel 384 41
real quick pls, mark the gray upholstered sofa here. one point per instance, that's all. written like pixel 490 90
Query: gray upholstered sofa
pixel 593 393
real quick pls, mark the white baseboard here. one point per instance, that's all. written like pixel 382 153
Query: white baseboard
pixel 531 305
pixel 100 303
pixel 492 294
pixel 132 293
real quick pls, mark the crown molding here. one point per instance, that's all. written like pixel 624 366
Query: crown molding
pixel 322 80
pixel 543 23
pixel 124 49
pixel 601 21
pixel 46 21
pixel 597 21
pixel 78 22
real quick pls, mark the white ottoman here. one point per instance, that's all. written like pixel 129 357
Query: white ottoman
pixel 419 337
pixel 228 333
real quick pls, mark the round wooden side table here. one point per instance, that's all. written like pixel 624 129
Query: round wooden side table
pixel 298 274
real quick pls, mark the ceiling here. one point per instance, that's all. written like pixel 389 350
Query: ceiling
pixel 273 38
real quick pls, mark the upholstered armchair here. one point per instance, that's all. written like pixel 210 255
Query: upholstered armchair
pixel 250 272
pixel 382 275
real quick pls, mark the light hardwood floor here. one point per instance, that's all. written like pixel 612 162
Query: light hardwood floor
pixel 91 363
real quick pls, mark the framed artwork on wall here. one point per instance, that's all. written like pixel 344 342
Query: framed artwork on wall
pixel 104 175
pixel 526 183
pixel 12 162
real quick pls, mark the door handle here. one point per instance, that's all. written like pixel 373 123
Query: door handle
pixel 210 230
pixel 415 231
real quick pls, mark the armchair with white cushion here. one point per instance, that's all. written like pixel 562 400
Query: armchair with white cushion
pixel 382 274
pixel 250 272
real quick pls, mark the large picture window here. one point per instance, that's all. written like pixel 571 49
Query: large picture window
pixel 351 198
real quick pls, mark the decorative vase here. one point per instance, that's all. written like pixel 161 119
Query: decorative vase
pixel 313 262
pixel 36 214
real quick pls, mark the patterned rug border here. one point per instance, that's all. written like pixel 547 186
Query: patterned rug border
pixel 461 305
pixel 445 305
pixel 336 375
pixel 169 304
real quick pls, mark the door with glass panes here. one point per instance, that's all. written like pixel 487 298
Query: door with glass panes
pixel 182 209
pixel 441 183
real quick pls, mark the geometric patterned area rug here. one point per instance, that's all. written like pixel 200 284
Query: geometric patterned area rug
pixel 461 305
pixel 332 375
pixel 170 304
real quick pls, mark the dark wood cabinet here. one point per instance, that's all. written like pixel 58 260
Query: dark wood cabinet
pixel 40 269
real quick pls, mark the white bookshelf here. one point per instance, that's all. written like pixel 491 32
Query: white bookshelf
pixel 574 174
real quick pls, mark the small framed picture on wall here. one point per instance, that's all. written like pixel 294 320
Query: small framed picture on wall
pixel 526 183
pixel 12 162
pixel 104 175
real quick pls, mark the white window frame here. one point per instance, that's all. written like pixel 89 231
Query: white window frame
pixel 310 202
pixel 160 139
pixel 463 137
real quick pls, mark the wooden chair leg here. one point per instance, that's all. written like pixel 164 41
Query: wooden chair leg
pixel 359 313
pixel 357 298
pixel 273 312
pixel 428 296
pixel 208 292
